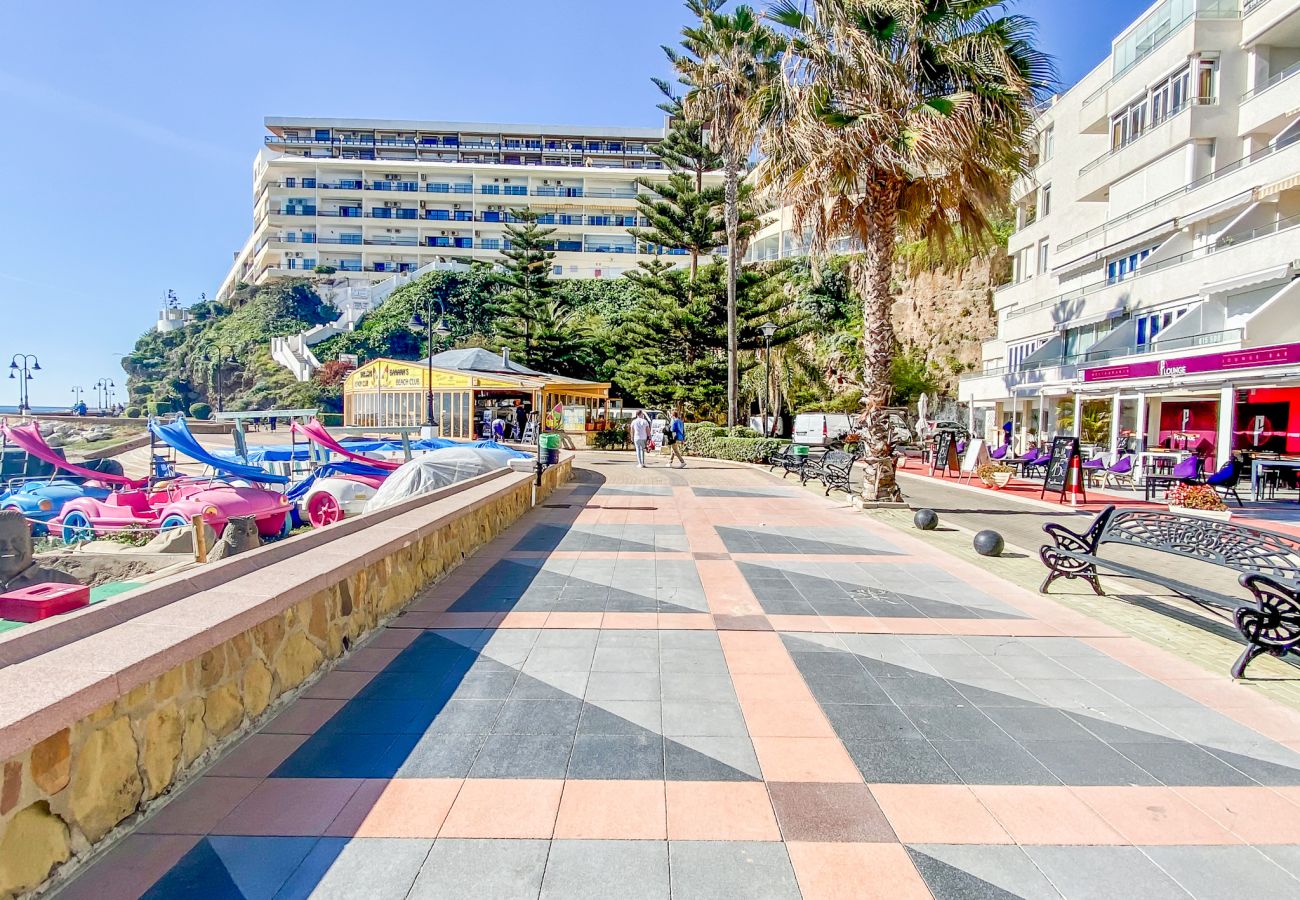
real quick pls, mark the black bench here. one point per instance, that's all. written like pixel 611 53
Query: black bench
pixel 834 469
pixel 1269 564
pixel 786 459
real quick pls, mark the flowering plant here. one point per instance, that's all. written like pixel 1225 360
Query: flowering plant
pixel 1196 496
pixel 988 470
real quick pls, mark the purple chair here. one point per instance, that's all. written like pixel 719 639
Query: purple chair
pixel 1187 470
pixel 998 452
pixel 1032 458
pixel 1225 480
pixel 1121 471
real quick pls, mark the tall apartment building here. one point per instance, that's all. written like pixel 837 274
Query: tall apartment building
pixel 370 198
pixel 1158 244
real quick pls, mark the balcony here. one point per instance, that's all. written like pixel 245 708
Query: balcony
pixel 1271 105
pixel 440 187
pixel 394 185
pixel 1152 142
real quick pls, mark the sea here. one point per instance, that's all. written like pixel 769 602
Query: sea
pixel 37 410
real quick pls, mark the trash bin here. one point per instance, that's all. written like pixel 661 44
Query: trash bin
pixel 549 445
pixel 800 449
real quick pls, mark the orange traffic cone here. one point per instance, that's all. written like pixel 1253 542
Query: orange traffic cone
pixel 1075 488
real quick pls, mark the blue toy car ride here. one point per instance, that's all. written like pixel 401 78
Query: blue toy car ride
pixel 41 501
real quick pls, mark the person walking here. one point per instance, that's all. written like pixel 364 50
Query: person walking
pixel 640 429
pixel 675 437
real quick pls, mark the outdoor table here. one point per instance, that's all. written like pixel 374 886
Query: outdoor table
pixel 1147 457
pixel 1259 465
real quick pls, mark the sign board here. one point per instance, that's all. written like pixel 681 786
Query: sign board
pixel 391 374
pixel 349 359
pixel 945 454
pixel 977 454
pixel 1065 450
pixel 575 418
pixel 1236 360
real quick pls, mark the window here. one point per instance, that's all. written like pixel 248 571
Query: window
pixel 1044 200
pixel 1205 79
pixel 1043 252
pixel 1149 326
pixel 1048 144
pixel 1018 353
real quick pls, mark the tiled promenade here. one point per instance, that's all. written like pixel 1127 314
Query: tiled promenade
pixel 706 684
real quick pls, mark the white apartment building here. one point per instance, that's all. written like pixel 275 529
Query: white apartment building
pixel 373 198
pixel 1158 244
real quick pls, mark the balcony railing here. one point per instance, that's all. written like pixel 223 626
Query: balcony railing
pixel 1228 242
pixel 1191 341
pixel 1227 169
pixel 1271 82
pixel 1147 129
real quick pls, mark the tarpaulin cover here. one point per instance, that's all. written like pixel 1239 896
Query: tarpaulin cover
pixel 177 436
pixel 436 469
pixel 493 445
pixel 29 439
pixel 390 446
pixel 315 432
pixel 299 490
pixel 268 453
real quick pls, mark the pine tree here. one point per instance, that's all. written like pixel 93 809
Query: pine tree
pixel 524 305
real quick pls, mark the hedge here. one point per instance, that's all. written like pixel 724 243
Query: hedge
pixel 133 412
pixel 159 407
pixel 736 449
pixel 200 411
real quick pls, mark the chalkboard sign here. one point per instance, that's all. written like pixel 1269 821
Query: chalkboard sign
pixel 1064 451
pixel 945 454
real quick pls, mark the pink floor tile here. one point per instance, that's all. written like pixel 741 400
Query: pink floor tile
pixel 338 685
pixel 409 808
pixel 130 868
pixel 856 872
pixel 258 756
pixel 805 759
pixel 290 806
pixel 1257 815
pixel 1154 815
pixel 1045 815
pixel 720 811
pixel 304 716
pixel 612 810
pixel 938 814
pixel 200 806
pixel 504 808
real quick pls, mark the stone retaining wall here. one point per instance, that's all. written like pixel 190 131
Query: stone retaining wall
pixel 81 779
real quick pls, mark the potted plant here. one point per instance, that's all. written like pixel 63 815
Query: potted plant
pixel 995 474
pixel 1199 500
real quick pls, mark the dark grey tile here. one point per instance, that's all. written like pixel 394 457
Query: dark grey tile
pixel 1038 724
pixel 523 756
pixel 464 717
pixel 815 664
pixel 538 717
pixel 994 762
pixel 974 872
pixel 438 756
pixel 922 691
pixel 484 687
pixel 621 717
pixel 710 759
pixel 901 762
pixel 617 756
pixel 871 723
pixel 860 688
pixel 1183 765
pixel 963 723
pixel 1088 762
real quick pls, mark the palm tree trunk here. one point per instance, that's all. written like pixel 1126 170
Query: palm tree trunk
pixel 873 277
pixel 733 238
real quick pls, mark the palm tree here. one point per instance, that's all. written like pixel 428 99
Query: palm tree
pixel 729 61
pixel 894 117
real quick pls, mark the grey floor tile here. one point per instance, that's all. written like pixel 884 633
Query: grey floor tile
pixel 483 870
pixel 994 762
pixel 635 640
pixel 901 762
pixel 1288 858
pixel 597 870
pixel 723 870
pixel 623 686
pixel 701 662
pixel 621 717
pixel 860 688
pixel 1088 762
pixel 572 638
pixel 550 686
pixel 921 691
pixel 963 723
pixel 626 659
pixel 1104 873
pixel 617 756
pixel 870 723
pixel 465 717
pixel 1178 764
pixel 815 664
pixel 484 687
pixel 976 872
pixel 698 688
pixel 538 717
pixel 439 756
pixel 523 756
pixel 1038 724
pixel 362 868
pixel 684 717
pixel 559 659
pixel 1224 873
pixel 710 759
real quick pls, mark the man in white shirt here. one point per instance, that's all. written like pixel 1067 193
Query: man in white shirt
pixel 640 429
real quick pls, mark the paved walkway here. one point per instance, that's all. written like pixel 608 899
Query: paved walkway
pixel 707 684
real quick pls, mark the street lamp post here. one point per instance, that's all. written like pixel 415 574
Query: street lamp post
pixel 215 356
pixel 102 389
pixel 768 329
pixel 21 367
pixel 432 327
pixel 76 396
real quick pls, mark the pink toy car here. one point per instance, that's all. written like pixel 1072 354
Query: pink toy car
pixel 171 504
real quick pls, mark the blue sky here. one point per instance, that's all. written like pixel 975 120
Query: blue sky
pixel 131 128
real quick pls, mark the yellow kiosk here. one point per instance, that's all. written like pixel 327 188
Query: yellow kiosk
pixel 470 388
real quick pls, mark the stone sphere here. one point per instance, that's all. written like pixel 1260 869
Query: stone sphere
pixel 989 543
pixel 926 519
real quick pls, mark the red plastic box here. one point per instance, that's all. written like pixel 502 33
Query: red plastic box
pixel 40 601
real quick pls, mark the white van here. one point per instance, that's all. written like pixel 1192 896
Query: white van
pixel 820 429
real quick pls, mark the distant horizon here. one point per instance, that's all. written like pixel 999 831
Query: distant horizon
pixel 160 117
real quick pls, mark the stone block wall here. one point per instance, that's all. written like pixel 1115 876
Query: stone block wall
pixel 88 781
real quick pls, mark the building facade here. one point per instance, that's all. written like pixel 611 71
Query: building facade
pixel 1154 301
pixel 371 198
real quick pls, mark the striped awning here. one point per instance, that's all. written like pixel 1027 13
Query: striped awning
pixel 1269 190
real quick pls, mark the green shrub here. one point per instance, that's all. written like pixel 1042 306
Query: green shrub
pixel 331 420
pixel 735 449
pixel 743 431
pixel 610 439
pixel 324 270
pixel 159 407
pixel 133 412
pixel 200 411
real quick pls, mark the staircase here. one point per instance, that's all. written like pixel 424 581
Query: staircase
pixel 353 301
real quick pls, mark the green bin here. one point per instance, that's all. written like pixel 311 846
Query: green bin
pixel 550 448
pixel 800 449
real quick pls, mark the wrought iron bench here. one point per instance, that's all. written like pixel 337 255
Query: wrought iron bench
pixel 834 469
pixel 1269 564
pixel 787 459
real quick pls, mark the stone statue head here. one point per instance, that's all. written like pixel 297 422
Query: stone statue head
pixel 15 544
